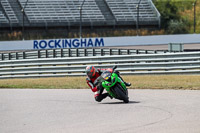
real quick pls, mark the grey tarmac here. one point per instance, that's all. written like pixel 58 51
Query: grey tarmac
pixel 76 111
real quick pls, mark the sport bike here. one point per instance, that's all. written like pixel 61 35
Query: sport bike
pixel 114 85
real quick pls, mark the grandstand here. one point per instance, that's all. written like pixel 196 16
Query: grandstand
pixel 40 13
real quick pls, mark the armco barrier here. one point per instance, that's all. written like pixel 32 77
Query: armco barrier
pixel 166 63
pixel 81 52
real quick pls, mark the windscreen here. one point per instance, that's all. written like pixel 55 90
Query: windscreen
pixel 106 75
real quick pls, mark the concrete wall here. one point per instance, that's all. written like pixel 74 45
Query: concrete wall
pixel 99 42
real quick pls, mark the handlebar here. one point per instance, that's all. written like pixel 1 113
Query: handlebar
pixel 114 67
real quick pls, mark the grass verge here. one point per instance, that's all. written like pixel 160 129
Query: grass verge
pixel 191 82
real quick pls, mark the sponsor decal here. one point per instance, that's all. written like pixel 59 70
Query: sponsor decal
pixel 68 43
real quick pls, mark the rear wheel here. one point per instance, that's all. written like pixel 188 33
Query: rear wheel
pixel 121 93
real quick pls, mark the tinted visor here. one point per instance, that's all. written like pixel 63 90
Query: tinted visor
pixel 90 74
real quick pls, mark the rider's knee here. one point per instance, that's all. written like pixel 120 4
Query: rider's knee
pixel 98 99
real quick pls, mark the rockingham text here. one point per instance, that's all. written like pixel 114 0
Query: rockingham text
pixel 68 43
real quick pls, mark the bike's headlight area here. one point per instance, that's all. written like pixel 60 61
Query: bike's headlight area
pixel 107 78
pixel 108 84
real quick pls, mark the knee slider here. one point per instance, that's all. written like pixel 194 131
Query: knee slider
pixel 97 99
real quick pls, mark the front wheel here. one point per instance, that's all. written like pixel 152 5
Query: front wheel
pixel 122 95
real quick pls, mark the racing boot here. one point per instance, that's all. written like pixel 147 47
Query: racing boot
pixel 127 84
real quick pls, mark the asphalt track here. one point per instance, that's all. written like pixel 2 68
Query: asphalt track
pixel 75 111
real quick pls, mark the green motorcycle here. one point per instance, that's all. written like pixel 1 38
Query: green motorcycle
pixel 114 85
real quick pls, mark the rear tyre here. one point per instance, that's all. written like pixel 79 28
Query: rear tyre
pixel 121 94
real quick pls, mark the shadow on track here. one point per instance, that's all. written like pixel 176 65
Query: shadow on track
pixel 130 102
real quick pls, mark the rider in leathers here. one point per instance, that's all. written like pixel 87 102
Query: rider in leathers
pixel 92 75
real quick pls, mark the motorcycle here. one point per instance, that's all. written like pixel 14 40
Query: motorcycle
pixel 114 85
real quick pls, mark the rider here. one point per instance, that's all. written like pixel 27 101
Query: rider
pixel 92 75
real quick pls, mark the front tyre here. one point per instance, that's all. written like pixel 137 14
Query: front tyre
pixel 121 94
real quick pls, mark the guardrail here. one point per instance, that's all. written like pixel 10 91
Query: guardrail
pixel 81 52
pixel 168 63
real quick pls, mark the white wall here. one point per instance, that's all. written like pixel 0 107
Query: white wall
pixel 99 42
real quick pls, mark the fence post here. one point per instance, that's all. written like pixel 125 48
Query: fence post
pixel 17 57
pixel 46 53
pixel 119 52
pixel 24 55
pixel 61 53
pixel 137 51
pixel 93 52
pixel 9 56
pixel 54 53
pixel 101 52
pixel 77 52
pixel 38 53
pixel 2 56
pixel 85 52
pixel 69 52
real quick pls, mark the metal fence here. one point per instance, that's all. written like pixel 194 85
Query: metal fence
pixel 81 52
pixel 166 63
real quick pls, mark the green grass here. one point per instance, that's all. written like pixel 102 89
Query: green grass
pixel 191 82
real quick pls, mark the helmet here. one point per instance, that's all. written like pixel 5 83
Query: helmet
pixel 90 71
